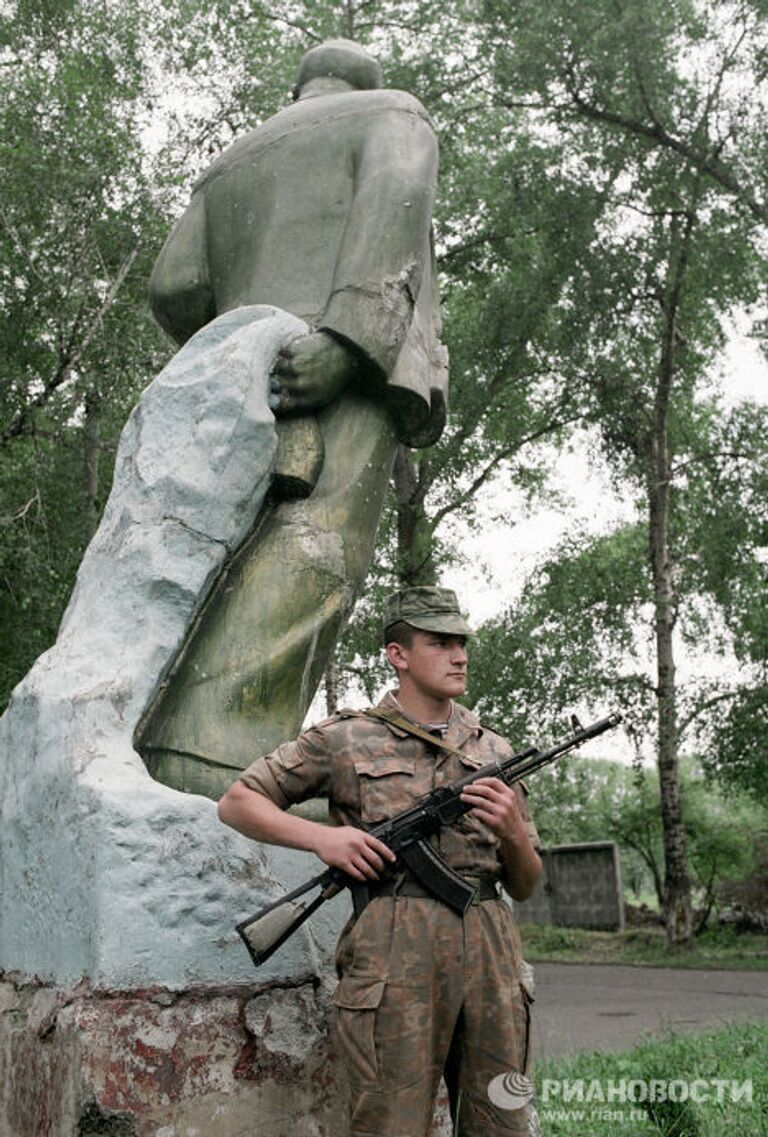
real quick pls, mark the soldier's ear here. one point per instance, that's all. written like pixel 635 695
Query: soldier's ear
pixel 397 656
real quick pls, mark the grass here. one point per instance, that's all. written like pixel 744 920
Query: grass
pixel 723 1071
pixel 720 948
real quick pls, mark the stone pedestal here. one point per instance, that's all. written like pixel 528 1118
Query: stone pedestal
pixel 247 1060
pixel 230 1061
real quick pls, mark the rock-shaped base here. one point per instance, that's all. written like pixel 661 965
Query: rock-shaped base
pixel 106 874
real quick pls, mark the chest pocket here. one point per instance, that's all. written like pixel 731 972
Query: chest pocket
pixel 387 786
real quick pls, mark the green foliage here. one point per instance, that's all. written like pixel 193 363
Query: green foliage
pixel 583 799
pixel 570 639
pixel 717 948
pixel 657 111
pixel 40 547
pixel 77 227
pixel 738 734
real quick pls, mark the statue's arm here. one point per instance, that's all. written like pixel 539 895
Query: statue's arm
pixel 180 292
pixel 386 240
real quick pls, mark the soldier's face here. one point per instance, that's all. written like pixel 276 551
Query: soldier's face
pixel 435 663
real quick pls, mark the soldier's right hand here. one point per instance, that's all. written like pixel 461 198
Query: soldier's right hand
pixel 356 852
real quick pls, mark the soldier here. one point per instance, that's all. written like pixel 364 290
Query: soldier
pixel 423 991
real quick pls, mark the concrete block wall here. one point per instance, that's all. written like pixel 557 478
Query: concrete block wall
pixel 581 887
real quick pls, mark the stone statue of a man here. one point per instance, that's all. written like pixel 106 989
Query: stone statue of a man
pixel 324 211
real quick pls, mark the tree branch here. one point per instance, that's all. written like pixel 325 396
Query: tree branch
pixel 23 510
pixel 290 24
pixel 69 362
pixel 484 475
pixel 660 136
pixel 482 239
pixel 738 454
pixel 723 697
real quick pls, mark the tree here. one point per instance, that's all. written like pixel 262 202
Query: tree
pixel 76 230
pixel 671 109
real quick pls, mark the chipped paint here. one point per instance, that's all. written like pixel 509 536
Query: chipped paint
pixel 158 1063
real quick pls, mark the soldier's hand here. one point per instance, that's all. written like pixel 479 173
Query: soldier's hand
pixel 353 850
pixel 309 372
pixel 495 803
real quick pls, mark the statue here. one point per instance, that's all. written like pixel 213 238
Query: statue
pixel 323 211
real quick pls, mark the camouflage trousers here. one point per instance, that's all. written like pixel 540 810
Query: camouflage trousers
pixel 426 993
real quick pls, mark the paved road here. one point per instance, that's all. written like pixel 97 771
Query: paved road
pixel 594 1007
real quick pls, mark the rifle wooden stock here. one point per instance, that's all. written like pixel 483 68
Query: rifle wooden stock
pixel 406 834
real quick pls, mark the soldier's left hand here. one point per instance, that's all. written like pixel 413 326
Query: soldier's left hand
pixel 495 803
pixel 309 372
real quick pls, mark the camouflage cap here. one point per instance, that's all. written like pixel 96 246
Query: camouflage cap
pixel 428 609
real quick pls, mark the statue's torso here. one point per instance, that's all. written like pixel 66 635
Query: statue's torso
pixel 276 214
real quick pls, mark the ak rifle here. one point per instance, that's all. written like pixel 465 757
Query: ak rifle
pixel 407 835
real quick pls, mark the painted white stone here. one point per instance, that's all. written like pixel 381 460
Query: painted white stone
pixel 105 873
pixel 286 1021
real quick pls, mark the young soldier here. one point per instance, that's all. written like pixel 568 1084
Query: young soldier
pixel 423 991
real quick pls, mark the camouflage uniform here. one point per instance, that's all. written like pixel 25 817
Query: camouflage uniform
pixel 423 991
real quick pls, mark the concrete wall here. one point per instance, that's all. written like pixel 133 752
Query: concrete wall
pixel 581 887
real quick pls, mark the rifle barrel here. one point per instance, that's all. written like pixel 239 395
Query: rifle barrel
pixel 543 758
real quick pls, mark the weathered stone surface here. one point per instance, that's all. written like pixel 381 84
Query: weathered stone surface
pixel 285 1021
pixel 136 1065
pixel 106 873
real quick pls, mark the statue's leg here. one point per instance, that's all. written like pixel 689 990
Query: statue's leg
pixel 251 668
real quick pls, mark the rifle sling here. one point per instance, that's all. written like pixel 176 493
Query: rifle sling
pixel 393 716
pixel 390 715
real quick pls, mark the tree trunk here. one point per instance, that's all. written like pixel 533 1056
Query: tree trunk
pixel 677 882
pixel 415 555
pixel 677 885
pixel 331 682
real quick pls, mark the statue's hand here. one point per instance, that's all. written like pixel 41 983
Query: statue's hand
pixel 310 372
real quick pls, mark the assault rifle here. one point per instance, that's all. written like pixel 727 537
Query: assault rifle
pixel 406 834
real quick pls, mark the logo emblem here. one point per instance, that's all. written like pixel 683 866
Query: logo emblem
pixel 510 1091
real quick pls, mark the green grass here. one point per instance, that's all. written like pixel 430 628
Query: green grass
pixel 734 1054
pixel 720 948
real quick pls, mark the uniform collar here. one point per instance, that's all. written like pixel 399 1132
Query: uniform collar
pixel 462 724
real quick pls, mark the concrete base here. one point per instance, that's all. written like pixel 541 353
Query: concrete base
pixel 239 1061
pixel 227 1061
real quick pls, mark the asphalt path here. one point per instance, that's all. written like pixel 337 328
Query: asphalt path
pixel 584 1007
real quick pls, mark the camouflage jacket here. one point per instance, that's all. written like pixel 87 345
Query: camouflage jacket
pixel 370 770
